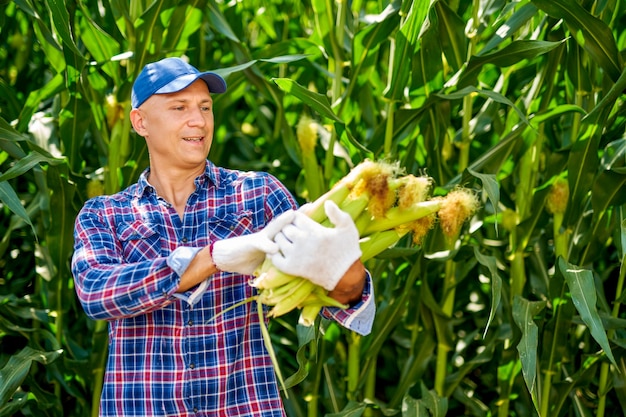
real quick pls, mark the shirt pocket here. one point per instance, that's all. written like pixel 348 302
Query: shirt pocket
pixel 140 241
pixel 232 224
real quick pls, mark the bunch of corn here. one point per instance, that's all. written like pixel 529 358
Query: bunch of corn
pixel 385 206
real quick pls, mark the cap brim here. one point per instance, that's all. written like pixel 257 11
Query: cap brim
pixel 215 83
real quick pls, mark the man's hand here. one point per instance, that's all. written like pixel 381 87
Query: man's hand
pixel 243 254
pixel 320 254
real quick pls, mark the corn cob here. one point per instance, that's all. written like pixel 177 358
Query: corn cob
pixel 385 206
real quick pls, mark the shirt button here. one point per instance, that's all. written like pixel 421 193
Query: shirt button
pixel 190 322
pixel 195 409
pixel 184 240
pixel 192 366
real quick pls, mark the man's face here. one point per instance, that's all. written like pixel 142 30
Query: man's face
pixel 178 127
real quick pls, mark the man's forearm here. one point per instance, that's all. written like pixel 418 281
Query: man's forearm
pixel 350 287
pixel 199 269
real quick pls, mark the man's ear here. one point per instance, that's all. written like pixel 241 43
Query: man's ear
pixel 137 120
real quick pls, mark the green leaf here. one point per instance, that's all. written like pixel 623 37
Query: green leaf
pixel 405 49
pixel 511 54
pixel 497 97
pixel 317 102
pixel 583 291
pixel 60 234
pixel 183 22
pixel 8 138
pixel 436 405
pixel 368 40
pixel 35 97
pixel 514 23
pixel 220 23
pixel 452 35
pixel 9 197
pixel 490 186
pixel 524 313
pixel 101 45
pixel 61 21
pixel 590 32
pixel 16 369
pixel 582 166
pixel 148 27
pixel 352 409
pixel 73 124
pixel 608 190
pixel 608 100
pixel 25 164
pixel 306 336
pixel 496 284
pixel 414 407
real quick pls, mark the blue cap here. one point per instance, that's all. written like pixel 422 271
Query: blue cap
pixel 170 75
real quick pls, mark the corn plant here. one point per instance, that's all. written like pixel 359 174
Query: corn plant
pixel 517 313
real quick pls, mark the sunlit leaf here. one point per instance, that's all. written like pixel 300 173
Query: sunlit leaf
pixel 589 31
pixel 318 102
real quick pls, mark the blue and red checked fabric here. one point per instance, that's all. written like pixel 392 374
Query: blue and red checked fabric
pixel 170 356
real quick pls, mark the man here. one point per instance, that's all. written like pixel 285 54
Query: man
pixel 162 259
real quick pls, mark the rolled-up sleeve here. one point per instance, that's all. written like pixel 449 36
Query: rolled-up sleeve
pixel 107 287
pixel 360 317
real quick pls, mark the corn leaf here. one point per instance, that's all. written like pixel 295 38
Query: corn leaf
pixel 184 22
pixel 497 97
pixel 60 234
pixel 352 409
pixel 496 284
pixel 511 54
pixel 608 100
pixel 584 296
pixel 405 49
pixel 9 138
pixel 414 407
pixel 74 123
pixel 589 31
pixel 517 20
pixel 101 46
pixel 582 164
pixel 149 28
pixel 608 190
pixel 318 102
pixel 16 369
pixel 25 164
pixel 54 86
pixel 452 35
pixel 368 39
pixel 9 197
pixel 219 21
pixel 524 313
pixel 436 405
pixel 61 21
pixel 306 336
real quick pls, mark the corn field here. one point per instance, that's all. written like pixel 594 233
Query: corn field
pixel 521 101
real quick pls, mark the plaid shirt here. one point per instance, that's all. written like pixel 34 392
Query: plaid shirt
pixel 166 357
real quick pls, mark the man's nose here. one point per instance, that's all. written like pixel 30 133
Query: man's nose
pixel 197 117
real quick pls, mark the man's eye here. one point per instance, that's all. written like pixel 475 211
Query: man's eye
pixel 206 108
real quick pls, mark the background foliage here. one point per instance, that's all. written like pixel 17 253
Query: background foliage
pixel 520 100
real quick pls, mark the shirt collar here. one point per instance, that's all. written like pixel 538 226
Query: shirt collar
pixel 211 174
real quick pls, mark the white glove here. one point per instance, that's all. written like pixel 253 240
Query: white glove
pixel 243 254
pixel 320 254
